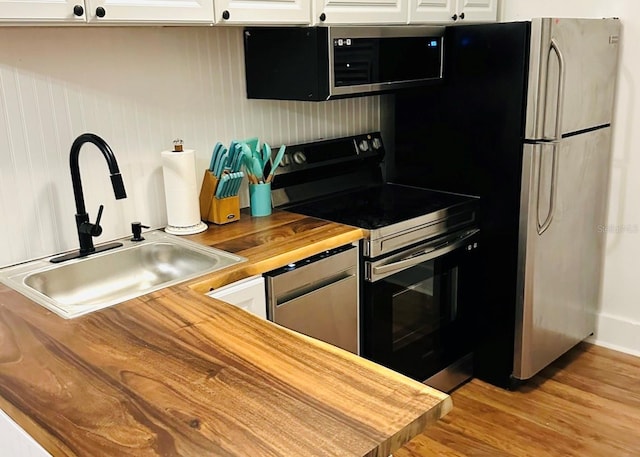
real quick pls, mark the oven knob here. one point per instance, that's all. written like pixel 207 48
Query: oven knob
pixel 363 145
pixel 376 143
pixel 469 247
pixel 299 157
pixel 286 160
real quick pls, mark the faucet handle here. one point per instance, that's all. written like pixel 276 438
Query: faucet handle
pixel 96 230
pixel 87 228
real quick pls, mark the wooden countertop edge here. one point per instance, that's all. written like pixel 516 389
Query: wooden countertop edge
pixel 418 425
pixel 254 267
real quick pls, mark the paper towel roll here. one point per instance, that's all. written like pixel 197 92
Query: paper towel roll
pixel 181 192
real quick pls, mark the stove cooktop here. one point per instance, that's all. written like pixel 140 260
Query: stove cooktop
pixel 380 206
pixel 340 180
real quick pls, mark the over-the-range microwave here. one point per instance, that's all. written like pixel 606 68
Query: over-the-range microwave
pixel 322 63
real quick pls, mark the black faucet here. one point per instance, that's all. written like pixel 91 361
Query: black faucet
pixel 87 230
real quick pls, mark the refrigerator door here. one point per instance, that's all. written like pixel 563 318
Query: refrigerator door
pixel 560 262
pixel 572 74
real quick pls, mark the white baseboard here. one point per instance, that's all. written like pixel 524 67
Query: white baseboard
pixel 617 333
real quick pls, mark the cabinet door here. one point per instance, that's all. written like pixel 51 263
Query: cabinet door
pixel 150 11
pixel 425 11
pixel 262 11
pixel 42 11
pixel 452 11
pixel 360 12
pixel 248 294
pixel 478 10
pixel 16 441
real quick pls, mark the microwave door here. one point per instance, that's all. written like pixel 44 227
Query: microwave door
pixel 362 63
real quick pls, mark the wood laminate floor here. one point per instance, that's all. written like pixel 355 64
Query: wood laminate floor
pixel 585 404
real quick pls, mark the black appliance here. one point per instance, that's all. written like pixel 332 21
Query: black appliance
pixel 322 63
pixel 418 262
pixel 522 120
pixel 460 144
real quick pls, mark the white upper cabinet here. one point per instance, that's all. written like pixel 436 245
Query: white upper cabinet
pixel 360 12
pixel 452 11
pixel 477 10
pixel 262 12
pixel 107 11
pixel 247 12
pixel 437 11
pixel 42 11
pixel 149 11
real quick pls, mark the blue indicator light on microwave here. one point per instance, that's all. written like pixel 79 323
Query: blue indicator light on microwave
pixel 433 43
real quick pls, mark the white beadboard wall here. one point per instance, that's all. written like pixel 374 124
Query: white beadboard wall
pixel 138 88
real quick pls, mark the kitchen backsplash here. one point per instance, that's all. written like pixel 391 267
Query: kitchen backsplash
pixel 139 88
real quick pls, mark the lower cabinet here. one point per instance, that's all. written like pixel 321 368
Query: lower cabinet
pixel 248 294
pixel 14 441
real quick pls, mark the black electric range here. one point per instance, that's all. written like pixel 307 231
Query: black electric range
pixel 341 180
pixel 418 265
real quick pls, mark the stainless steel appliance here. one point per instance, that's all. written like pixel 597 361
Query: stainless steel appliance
pixel 524 121
pixel 321 63
pixel 318 296
pixel 419 257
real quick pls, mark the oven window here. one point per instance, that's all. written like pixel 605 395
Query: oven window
pixel 418 320
pixel 423 300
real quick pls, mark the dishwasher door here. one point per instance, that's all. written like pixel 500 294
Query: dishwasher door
pixel 319 296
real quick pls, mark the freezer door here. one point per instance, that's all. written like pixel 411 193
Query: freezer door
pixel 572 74
pixel 561 246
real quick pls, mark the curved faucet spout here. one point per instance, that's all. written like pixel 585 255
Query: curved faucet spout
pixel 87 230
pixel 116 178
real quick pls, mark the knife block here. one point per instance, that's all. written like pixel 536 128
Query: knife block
pixel 217 210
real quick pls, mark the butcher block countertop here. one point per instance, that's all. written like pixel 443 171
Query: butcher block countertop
pixel 176 373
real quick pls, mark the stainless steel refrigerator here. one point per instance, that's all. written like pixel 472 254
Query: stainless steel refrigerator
pixel 523 119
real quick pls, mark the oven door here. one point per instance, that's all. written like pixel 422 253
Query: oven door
pixel 416 305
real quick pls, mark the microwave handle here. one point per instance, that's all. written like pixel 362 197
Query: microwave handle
pixel 415 259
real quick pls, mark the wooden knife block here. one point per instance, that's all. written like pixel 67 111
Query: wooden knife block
pixel 217 210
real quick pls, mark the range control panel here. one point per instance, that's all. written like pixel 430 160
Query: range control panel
pixel 309 260
pixel 326 152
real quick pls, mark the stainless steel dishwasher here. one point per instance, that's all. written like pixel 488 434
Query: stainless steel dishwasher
pixel 318 296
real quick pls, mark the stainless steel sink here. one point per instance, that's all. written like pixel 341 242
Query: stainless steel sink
pixel 80 286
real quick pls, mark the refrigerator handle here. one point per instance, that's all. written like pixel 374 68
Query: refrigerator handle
pixel 542 227
pixel 560 100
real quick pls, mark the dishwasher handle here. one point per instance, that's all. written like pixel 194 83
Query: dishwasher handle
pixel 322 283
pixel 324 269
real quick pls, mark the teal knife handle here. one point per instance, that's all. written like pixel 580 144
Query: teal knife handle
pixel 221 186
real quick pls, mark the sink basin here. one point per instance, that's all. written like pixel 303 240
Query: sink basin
pixel 80 286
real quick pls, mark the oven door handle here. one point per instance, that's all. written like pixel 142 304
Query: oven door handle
pixel 378 272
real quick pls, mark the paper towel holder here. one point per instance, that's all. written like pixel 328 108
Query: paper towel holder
pixel 189 229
